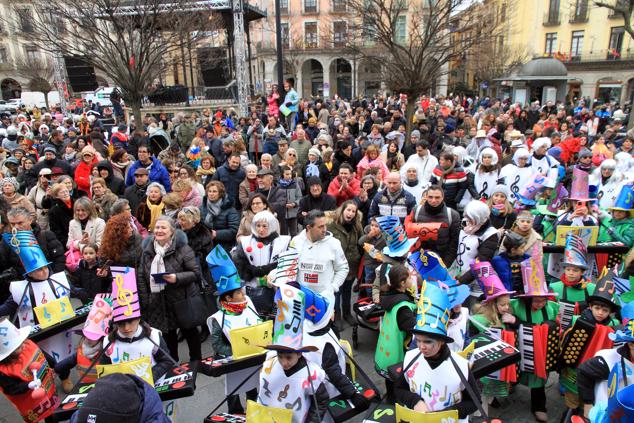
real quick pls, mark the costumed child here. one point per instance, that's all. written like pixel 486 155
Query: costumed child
pixel 395 252
pixel 372 236
pixel 523 226
pixel 598 321
pixel 434 362
pixel 288 379
pixel 534 309
pixel 579 208
pixel 507 263
pixel 495 312
pixel 132 338
pixel 502 214
pixel 395 330
pixel 235 311
pixel 20 361
pixel 593 375
pixel 573 289
pixel 96 327
pixel 91 277
pixel 619 227
pixel 38 288
pixel 431 269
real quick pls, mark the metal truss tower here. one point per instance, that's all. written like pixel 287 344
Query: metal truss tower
pixel 240 58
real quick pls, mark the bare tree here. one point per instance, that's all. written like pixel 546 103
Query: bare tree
pixel 412 41
pixel 39 74
pixel 489 63
pixel 130 41
pixel 623 8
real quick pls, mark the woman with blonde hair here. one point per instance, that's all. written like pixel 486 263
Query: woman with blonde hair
pixel 189 194
pixel 86 227
pixel 371 159
pixel 198 236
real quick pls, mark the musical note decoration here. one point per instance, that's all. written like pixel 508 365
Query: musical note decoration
pixel 223 271
pixel 54 311
pixel 258 413
pixel 432 316
pixel 124 292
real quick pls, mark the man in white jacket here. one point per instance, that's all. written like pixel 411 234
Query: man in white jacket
pixel 423 160
pixel 322 264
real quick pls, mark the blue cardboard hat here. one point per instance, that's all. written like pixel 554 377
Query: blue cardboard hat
pixel 395 236
pixel 625 200
pixel 223 271
pixel 457 294
pixel 575 252
pixel 318 310
pixel 432 316
pixel 25 245
pixel 429 266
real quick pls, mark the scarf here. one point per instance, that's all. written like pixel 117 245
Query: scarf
pixel 91 352
pixel 411 183
pixel 158 266
pixel 442 173
pixel 253 184
pixel 498 209
pixel 203 172
pixel 233 308
pixel 284 183
pixel 393 196
pixel 155 211
pixel 213 208
pixel 470 229
pixel 433 210
pixel 580 284
pixel 69 203
pixel 69 156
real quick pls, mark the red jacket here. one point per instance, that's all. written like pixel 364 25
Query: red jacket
pixel 83 172
pixel 353 189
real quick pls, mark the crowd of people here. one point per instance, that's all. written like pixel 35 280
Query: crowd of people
pixel 366 201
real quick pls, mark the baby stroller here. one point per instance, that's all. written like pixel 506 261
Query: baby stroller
pixel 366 314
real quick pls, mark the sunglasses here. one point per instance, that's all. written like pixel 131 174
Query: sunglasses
pixel 294 155
pixel 174 171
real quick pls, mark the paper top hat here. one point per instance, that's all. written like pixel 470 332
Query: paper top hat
pixel 580 189
pixel 223 271
pixel 625 200
pixel 288 326
pixel 432 316
pixel 429 266
pixel 24 244
pixel 533 276
pixel 318 310
pixel 124 294
pixel 286 270
pixel 555 203
pixel 605 289
pixel 489 281
pixel 456 293
pixel 11 337
pixel 398 244
pixel 575 252
pixel 97 323
pixel 527 195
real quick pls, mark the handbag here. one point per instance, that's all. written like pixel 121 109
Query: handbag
pixel 191 311
pixel 73 256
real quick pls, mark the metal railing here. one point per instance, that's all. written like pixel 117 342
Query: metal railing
pixel 579 18
pixel 595 56
pixel 551 19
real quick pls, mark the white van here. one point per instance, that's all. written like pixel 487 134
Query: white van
pixel 36 99
pixel 101 95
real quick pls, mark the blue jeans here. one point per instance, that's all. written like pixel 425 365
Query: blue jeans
pixel 370 275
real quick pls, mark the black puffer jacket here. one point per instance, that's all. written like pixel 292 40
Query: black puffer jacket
pixel 135 194
pixel 225 223
pixel 157 308
pixel 199 239
pixel 59 217
pixel 116 184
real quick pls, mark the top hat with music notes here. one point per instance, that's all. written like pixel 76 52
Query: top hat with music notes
pixel 527 195
pixel 429 265
pixel 288 329
pixel 398 244
pixel 97 323
pixel 580 189
pixel 125 295
pixel 625 200
pixel 605 290
pixel 286 269
pixel 11 337
pixel 25 245
pixel 533 276
pixel 489 281
pixel 575 252
pixel 432 316
pixel 223 271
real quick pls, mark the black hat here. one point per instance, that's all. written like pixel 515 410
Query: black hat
pixel 313 180
pixel 604 291
pixel 512 240
pixel 103 403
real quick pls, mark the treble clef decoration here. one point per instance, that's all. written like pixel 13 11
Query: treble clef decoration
pixel 483 191
pixel 515 185
pixel 462 248
pixel 124 295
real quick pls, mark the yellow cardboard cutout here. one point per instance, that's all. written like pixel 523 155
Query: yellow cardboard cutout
pixel 54 311
pixel 246 342
pixel 141 367
pixel 258 413
pixel 407 415
pixel 588 234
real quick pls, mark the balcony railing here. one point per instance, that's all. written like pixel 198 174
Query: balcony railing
pixel 595 56
pixel 551 19
pixel 579 18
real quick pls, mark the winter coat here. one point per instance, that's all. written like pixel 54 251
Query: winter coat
pixel 231 180
pixel 185 133
pixel 225 223
pixel 453 184
pixel 157 308
pixel 617 230
pixel 83 173
pixel 36 196
pixel 104 204
pixel 349 240
pixel 135 195
pixel 401 206
pixel 245 192
pixel 59 217
pixel 94 228
pixel 348 194
pixel 132 253
pixel 366 164
pixel 157 173
pixel 446 246
pixel 199 239
pixel 292 194
pixel 87 282
pixel 307 203
pixel 113 182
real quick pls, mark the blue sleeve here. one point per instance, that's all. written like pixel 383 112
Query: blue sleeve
pixel 165 179
pixel 129 178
